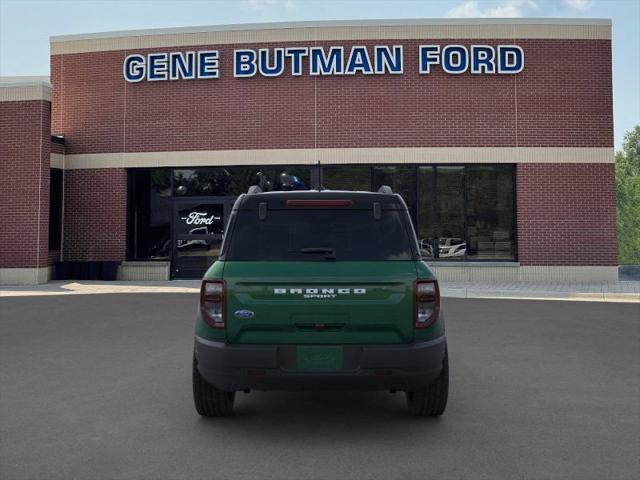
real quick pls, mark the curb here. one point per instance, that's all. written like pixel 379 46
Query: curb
pixel 496 293
pixel 541 295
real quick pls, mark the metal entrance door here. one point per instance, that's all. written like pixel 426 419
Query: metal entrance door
pixel 197 229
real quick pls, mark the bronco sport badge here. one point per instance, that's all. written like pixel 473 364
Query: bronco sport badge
pixel 319 292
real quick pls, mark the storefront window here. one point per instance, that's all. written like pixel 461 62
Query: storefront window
pixel 426 210
pixel 152 193
pixel 466 212
pixel 402 180
pixel 234 181
pixel 55 209
pixel 449 225
pixel 460 212
pixel 201 181
pixel 149 219
pixel 347 177
pixel 490 212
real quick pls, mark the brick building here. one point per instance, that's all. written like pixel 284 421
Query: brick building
pixel 498 134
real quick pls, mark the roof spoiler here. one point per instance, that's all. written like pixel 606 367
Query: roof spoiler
pixel 385 189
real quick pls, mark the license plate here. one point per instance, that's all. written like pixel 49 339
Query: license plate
pixel 319 358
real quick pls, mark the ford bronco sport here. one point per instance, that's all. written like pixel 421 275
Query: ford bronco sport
pixel 320 290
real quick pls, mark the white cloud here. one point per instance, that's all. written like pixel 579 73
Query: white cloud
pixel 508 8
pixel 266 4
pixel 578 4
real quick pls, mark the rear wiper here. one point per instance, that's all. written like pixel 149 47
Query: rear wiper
pixel 330 253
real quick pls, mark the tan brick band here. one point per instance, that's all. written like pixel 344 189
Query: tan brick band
pixel 57 161
pixel 330 156
pixel 433 29
pixel 24 93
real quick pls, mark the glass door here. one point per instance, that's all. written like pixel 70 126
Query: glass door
pixel 197 232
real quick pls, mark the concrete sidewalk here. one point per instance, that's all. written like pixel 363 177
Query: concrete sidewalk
pixel 595 292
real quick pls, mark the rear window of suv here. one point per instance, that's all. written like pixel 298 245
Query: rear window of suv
pixel 320 235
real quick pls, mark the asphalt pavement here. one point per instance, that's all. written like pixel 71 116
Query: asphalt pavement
pixel 98 386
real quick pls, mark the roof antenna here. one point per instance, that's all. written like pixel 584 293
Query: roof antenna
pixel 320 187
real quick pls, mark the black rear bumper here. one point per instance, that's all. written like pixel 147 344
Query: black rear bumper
pixel 408 367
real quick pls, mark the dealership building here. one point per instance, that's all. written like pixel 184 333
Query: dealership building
pixel 497 133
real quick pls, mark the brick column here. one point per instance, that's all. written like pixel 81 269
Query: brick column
pixel 25 123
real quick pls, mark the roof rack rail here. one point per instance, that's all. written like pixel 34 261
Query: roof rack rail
pixel 254 189
pixel 385 189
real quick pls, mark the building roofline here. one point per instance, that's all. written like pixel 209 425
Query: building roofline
pixel 25 81
pixel 333 23
pixel 24 89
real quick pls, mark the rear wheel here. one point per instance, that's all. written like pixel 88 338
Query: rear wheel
pixel 210 401
pixel 431 401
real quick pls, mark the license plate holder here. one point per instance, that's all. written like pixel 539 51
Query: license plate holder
pixel 319 358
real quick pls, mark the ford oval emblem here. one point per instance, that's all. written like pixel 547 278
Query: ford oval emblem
pixel 244 314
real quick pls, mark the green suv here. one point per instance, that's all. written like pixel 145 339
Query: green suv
pixel 320 290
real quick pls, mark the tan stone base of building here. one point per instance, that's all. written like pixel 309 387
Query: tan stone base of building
pixel 514 272
pixel 144 271
pixel 24 276
pixel 446 272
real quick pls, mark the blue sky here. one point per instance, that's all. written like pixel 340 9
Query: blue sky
pixel 25 26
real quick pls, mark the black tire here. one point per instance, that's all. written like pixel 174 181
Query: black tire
pixel 432 401
pixel 209 401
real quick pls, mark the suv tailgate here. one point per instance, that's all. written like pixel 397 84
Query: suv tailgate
pixel 328 302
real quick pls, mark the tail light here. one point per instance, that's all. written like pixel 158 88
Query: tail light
pixel 212 303
pixel 426 303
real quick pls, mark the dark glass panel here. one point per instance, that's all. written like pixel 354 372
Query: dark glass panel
pixel 159 198
pixel 426 210
pixel 402 180
pixel 233 181
pixel 201 181
pixel 55 209
pixel 347 177
pixel 197 254
pixel 448 224
pixel 490 212
pixel 149 232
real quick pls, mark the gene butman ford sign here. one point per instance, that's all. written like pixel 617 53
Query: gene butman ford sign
pixel 327 61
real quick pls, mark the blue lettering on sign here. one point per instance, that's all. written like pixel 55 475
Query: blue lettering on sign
pixel 244 63
pixel 157 67
pixel 296 55
pixel 275 68
pixel 455 59
pixel 483 59
pixel 208 64
pixel 330 64
pixel 182 65
pixel 324 61
pixel 386 61
pixel 510 59
pixel 479 59
pixel 359 61
pixel 133 68
pixel 429 55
